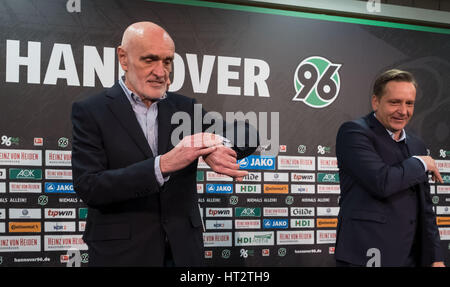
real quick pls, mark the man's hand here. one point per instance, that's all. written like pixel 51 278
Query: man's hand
pixel 223 161
pixel 438 264
pixel 187 150
pixel 431 167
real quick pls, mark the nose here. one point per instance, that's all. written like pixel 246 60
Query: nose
pixel 402 109
pixel 158 69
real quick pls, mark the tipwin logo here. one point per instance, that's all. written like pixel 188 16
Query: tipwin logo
pixel 317 82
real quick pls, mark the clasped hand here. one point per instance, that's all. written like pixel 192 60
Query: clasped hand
pixel 432 168
pixel 209 146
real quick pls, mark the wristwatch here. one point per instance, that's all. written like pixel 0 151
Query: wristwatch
pixel 226 142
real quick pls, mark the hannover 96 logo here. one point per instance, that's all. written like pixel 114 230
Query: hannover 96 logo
pixel 316 82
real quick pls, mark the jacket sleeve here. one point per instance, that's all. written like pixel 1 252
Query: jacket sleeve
pixel 243 136
pixel 94 182
pixel 245 139
pixel 357 156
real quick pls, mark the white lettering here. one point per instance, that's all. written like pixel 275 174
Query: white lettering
pixel 14 61
pixel 224 75
pixel 93 64
pixel 200 81
pixel 61 65
pixel 252 79
pixel 61 52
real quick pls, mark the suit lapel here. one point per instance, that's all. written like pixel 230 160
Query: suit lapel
pixel 121 108
pixel 413 147
pixel 381 131
pixel 165 111
pixel 377 127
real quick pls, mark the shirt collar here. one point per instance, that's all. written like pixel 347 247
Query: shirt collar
pixel 391 134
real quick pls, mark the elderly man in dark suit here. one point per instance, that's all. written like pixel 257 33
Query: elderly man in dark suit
pixel 140 187
pixel 386 216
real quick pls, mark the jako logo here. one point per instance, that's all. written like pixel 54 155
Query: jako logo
pixel 219 188
pixel 243 163
pixel 257 162
pixel 316 82
pixel 275 223
pixel 59 187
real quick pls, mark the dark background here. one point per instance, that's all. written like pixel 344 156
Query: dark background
pixel 38 110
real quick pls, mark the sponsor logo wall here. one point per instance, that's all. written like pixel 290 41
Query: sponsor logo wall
pixel 285 212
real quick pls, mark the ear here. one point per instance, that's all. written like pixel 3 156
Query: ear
pixel 122 56
pixel 375 103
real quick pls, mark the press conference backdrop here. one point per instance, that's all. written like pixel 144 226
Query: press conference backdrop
pixel 314 71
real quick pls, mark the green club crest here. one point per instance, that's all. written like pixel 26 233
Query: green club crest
pixel 316 82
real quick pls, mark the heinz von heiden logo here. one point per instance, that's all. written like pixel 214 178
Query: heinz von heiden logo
pixel 316 82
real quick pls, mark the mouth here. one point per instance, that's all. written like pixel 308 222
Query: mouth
pixel 156 83
pixel 398 120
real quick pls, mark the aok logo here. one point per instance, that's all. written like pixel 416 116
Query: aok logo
pixel 248 212
pixel 316 82
pixel 17 173
pixel 26 173
pixel 327 177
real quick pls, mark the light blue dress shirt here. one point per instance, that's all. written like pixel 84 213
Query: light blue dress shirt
pixel 148 120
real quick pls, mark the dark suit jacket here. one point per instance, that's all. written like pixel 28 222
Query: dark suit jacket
pixel 379 190
pixel 129 214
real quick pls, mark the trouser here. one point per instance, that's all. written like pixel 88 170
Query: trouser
pixel 340 263
pixel 168 257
